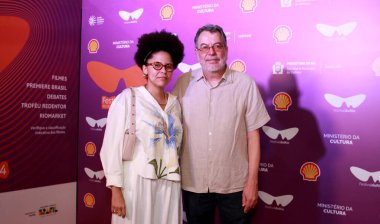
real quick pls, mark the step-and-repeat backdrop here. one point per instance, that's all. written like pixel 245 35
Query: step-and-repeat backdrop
pixel 317 63
pixel 39 87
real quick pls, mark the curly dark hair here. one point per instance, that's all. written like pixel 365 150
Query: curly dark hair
pixel 150 43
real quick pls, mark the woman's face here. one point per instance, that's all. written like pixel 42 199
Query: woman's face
pixel 159 69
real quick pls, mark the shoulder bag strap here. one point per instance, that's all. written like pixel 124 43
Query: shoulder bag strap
pixel 132 126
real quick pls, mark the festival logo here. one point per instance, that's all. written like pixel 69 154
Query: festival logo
pixel 14 30
pixel 282 34
pixel 278 68
pixel 341 30
pixel 95 20
pixel 107 101
pixel 131 17
pixel 96 125
pixel 364 175
pixel 93 46
pixel 351 102
pixel 282 101
pixel 183 67
pixel 238 65
pixel 286 134
pixel 167 12
pixel 4 170
pixel 89 200
pixel 376 66
pixel 107 77
pixel 310 171
pixel 276 203
pixel 248 6
pixel 90 149
pixel 95 176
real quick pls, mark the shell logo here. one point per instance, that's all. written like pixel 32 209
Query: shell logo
pixel 90 149
pixel 282 34
pixel 282 101
pixel 167 12
pixel 248 5
pixel 93 46
pixel 238 65
pixel 310 171
pixel 89 200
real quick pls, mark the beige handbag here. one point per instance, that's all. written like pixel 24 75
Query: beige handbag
pixel 129 135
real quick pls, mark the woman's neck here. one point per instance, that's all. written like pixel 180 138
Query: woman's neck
pixel 158 94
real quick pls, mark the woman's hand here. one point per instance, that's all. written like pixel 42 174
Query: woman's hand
pixel 117 202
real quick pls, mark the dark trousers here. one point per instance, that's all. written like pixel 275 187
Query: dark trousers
pixel 200 208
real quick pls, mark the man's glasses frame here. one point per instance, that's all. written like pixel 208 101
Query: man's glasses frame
pixel 158 66
pixel 217 47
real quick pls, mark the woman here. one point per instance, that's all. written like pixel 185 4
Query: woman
pixel 147 188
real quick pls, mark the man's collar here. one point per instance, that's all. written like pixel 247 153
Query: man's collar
pixel 198 75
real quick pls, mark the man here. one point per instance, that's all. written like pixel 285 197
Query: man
pixel 222 112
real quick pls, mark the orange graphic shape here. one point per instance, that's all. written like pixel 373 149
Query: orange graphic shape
pixel 14 32
pixel 108 77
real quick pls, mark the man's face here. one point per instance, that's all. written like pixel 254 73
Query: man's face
pixel 212 59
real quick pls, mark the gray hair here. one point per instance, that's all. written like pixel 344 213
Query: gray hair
pixel 212 29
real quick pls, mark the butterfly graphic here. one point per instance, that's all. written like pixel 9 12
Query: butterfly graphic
pixel 283 200
pixel 91 174
pixel 341 30
pixel 98 123
pixel 364 175
pixel 183 67
pixel 287 134
pixel 126 16
pixel 107 77
pixel 352 101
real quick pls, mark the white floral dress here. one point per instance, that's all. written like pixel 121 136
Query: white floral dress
pixel 151 181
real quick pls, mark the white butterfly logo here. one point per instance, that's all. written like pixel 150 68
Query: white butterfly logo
pixel 283 200
pixel 364 175
pixel 133 15
pixel 342 30
pixel 352 101
pixel 91 174
pixel 287 134
pixel 99 123
pixel 183 67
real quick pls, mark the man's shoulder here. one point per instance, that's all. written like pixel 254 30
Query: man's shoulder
pixel 241 77
pixel 181 84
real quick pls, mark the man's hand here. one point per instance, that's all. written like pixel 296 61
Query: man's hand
pixel 250 196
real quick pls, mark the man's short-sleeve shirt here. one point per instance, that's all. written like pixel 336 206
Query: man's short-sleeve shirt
pixel 216 121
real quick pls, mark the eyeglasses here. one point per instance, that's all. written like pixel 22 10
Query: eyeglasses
pixel 158 66
pixel 218 47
